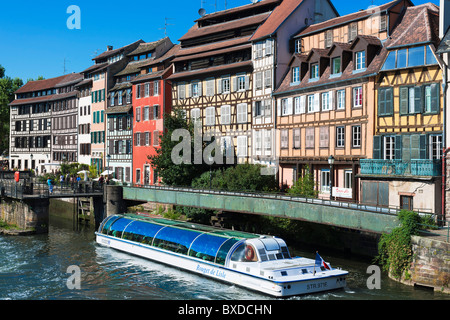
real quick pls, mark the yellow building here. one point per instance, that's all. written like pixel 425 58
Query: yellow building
pixel 405 170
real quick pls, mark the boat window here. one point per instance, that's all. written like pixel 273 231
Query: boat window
pixel 304 271
pixel 206 246
pixel 108 224
pixel 175 240
pixel 284 273
pixel 244 253
pixel 262 254
pixel 142 232
pixel 285 252
pixel 117 227
pixel 224 249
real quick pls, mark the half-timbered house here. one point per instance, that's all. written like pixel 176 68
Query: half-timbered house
pixel 325 103
pixel 405 170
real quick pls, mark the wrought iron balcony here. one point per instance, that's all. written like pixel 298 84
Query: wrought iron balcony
pixel 421 167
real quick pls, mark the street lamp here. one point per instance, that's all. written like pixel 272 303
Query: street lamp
pixel 331 163
pixel 108 158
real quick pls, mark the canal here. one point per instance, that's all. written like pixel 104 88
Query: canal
pixel 35 268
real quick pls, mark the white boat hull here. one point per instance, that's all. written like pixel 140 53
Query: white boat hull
pixel 322 281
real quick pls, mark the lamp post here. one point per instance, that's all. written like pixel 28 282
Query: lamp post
pixel 331 163
pixel 108 158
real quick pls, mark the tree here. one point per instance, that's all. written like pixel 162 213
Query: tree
pixel 171 173
pixel 304 186
pixel 7 88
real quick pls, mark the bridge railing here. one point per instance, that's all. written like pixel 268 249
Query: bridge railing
pixel 391 210
pixel 23 188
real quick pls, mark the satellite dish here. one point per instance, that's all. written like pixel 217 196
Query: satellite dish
pixel 254 1
pixel 201 12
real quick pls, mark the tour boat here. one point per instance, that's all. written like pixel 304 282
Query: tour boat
pixel 259 263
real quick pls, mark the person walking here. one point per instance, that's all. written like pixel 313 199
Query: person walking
pixel 50 185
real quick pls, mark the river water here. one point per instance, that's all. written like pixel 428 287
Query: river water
pixel 35 268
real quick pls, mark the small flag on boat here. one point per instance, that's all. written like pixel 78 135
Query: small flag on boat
pixel 320 262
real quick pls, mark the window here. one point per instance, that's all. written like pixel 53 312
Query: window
pixel 146 115
pixel 147 89
pixel 210 116
pixel 227 146
pixel 156 138
pixel 138 91
pixel 336 65
pixel 309 138
pixel 225 115
pixel 385 102
pixel 353 31
pixel 325 181
pixel 258 141
pixel 268 78
pixel 436 146
pixel 128 96
pixel 156 88
pixel 181 91
pixel 295 74
pixel 242 113
pixel 326 101
pixel 195 89
pixel 356 136
pixel 138 114
pixel 411 100
pixel 297 138
pixel 147 138
pixel 328 38
pixel 389 147
pixel 401 58
pixel 340 97
pixel 259 111
pixel 225 85
pixel 314 71
pixel 242 146
pixel 195 114
pixel 360 60
pixel 311 103
pixel 284 139
pixel 323 137
pixel 258 80
pixel 383 23
pixel 357 97
pixel 286 106
pixel 210 87
pixel 406 202
pixel 298 46
pixel 241 83
pixel 299 104
pixel 348 177
pixel 340 137
pixel 268 142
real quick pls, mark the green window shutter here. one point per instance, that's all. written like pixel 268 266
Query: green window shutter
pixel 389 101
pixel 424 138
pixel 398 147
pixel 415 147
pixel 435 98
pixel 406 146
pixel 404 100
pixel 377 151
pixel 102 116
pixel 418 102
pixel 382 102
pixel 104 95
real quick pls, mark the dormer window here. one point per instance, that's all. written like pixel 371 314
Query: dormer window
pixel 360 60
pixel 295 74
pixel 336 66
pixel 314 73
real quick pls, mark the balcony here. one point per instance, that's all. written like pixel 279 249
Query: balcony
pixel 422 168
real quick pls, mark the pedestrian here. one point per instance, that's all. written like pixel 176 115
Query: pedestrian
pixel 50 185
pixel 61 180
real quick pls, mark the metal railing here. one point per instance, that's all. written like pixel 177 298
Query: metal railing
pixel 30 188
pixel 419 167
pixel 354 205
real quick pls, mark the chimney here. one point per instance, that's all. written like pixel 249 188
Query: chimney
pixel 444 17
pixel 109 48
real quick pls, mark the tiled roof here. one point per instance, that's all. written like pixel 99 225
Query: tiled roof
pixel 420 24
pixel 224 68
pixel 110 53
pixel 196 32
pixel 147 46
pixel 276 18
pixel 50 83
pixel 169 54
pixel 212 53
pixel 331 23
pixel 213 46
pixel 53 97
pixel 96 67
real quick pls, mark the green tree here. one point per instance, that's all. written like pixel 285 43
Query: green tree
pixel 171 173
pixel 7 88
pixel 304 186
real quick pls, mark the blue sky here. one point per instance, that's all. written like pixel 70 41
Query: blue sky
pixel 35 40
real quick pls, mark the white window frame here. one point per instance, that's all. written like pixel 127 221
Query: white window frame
pixel 358 96
pixel 195 115
pixel 210 117
pixel 242 146
pixel 325 177
pixel 225 114
pixel 340 99
pixel 340 137
pixel 360 60
pixel 389 147
pixel 242 113
pixel 326 101
pixel 356 136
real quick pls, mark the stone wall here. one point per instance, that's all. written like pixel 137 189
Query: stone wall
pixel 431 264
pixel 30 214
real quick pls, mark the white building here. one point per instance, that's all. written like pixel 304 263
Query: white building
pixel 84 121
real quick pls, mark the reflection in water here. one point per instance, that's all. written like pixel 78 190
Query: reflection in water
pixel 35 268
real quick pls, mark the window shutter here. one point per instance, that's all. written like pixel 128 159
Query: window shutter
pixel 404 100
pixel 418 99
pixel 289 108
pixel 435 98
pixel 424 138
pixel 398 147
pixel 142 142
pixel 219 86
pixel 377 152
pixel 316 102
pixel 302 104
pixel 235 84
pixel 200 88
pixel 382 102
pixel 415 146
pixel 331 100
pixel 389 100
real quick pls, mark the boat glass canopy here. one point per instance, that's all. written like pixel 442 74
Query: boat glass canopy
pixel 202 242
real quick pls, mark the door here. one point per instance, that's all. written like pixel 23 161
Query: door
pixel 147 175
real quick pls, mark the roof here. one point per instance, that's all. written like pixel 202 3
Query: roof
pixel 169 54
pixel 111 53
pixel 225 67
pixel 276 18
pixel 46 84
pixel 419 24
pixel 53 97
pixel 119 109
pixel 96 67
pixel 196 31
pixel 213 46
pixel 332 23
pixel 147 46
pixel 212 53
